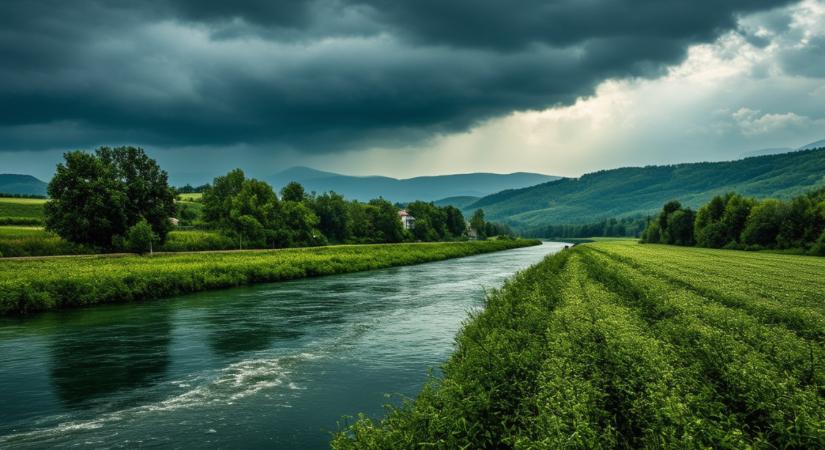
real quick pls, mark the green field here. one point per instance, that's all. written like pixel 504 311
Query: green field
pixel 35 241
pixel 617 344
pixel 21 211
pixel 42 284
pixel 194 196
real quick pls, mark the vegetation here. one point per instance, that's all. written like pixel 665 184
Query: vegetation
pixel 620 345
pixel 35 241
pixel 634 191
pixel 21 211
pixel 735 222
pixel 96 198
pixel 624 227
pixel 35 285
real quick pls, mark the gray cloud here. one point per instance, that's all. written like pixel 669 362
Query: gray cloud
pixel 319 76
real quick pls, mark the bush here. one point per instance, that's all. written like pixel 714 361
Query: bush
pixel 140 237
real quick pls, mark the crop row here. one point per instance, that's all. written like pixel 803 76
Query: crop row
pixel 609 345
pixel 47 283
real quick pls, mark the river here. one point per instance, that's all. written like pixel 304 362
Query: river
pixel 272 365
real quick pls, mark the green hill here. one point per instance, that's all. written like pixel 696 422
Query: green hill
pixel 21 184
pixel 643 190
pixel 459 201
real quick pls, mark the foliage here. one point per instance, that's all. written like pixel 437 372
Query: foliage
pixel 96 197
pixel 674 225
pixel 634 191
pixel 21 211
pixel 733 221
pixel 35 285
pixel 34 241
pixel 436 223
pixel 293 192
pixel 623 227
pixel 619 345
pixel 140 237
pixel 477 223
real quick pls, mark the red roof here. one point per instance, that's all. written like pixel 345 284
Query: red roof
pixel 403 213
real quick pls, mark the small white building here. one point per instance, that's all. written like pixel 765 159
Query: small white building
pixel 174 221
pixel 407 220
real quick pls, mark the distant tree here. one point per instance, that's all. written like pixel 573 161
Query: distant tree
pixel 477 223
pixel 96 197
pixel 455 223
pixel 333 216
pixel 737 210
pixel 764 223
pixel 708 229
pixel 140 237
pixel 217 199
pixel 293 192
pixel 298 226
pixel 680 227
pixel 384 221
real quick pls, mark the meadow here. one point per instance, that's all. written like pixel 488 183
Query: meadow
pixel 21 211
pixel 619 344
pixel 41 284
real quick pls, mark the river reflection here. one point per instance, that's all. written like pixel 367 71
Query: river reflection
pixel 118 355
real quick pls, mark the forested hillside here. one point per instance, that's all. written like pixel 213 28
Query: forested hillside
pixel 642 190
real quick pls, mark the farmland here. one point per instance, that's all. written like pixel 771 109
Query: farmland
pixel 21 211
pixel 42 284
pixel 617 344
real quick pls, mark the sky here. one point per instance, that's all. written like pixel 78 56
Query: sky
pixel 408 87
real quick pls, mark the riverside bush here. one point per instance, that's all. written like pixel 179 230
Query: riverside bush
pixel 615 344
pixel 41 284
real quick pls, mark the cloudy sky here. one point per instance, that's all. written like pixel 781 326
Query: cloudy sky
pixel 408 87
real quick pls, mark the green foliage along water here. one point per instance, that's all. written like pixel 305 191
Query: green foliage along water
pixel 41 284
pixel 736 222
pixel 620 345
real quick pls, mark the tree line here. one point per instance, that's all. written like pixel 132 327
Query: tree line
pixel 120 199
pixel 621 227
pixel 735 222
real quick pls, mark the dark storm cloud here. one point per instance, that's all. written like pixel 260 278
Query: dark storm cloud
pixel 318 75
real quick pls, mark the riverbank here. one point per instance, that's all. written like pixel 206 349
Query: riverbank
pixel 617 344
pixel 29 286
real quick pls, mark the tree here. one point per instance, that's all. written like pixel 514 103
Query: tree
pixel 96 197
pixel 455 221
pixel 333 216
pixel 764 223
pixel 477 223
pixel 384 221
pixel 217 199
pixel 293 192
pixel 680 227
pixel 298 226
pixel 708 229
pixel 140 237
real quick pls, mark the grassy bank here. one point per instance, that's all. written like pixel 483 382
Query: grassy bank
pixel 41 284
pixel 21 211
pixel 615 344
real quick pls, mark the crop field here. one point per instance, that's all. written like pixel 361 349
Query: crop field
pixel 21 211
pixel 618 344
pixel 42 284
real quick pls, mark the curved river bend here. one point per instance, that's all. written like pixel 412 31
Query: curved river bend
pixel 274 365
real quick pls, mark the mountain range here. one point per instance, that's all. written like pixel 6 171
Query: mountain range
pixel 643 190
pixel 428 188
pixel 21 184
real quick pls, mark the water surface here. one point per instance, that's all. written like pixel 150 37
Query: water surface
pixel 273 365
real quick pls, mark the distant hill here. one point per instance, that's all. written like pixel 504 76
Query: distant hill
pixel 813 145
pixel 459 202
pixel 768 151
pixel 643 190
pixel 21 184
pixel 428 188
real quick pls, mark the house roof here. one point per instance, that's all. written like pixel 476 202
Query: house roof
pixel 403 213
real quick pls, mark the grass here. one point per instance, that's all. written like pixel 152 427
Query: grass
pixel 194 196
pixel 617 344
pixel 21 211
pixel 42 284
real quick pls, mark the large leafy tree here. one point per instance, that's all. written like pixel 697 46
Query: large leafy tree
pixel 96 197
pixel 384 221
pixel 333 216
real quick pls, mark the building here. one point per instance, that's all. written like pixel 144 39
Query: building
pixel 407 220
pixel 175 222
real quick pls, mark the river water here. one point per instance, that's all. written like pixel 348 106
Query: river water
pixel 273 365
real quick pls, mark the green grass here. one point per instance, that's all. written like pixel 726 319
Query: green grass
pixel 617 344
pixel 42 284
pixel 191 196
pixel 21 211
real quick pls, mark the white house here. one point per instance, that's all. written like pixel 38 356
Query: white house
pixel 407 220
